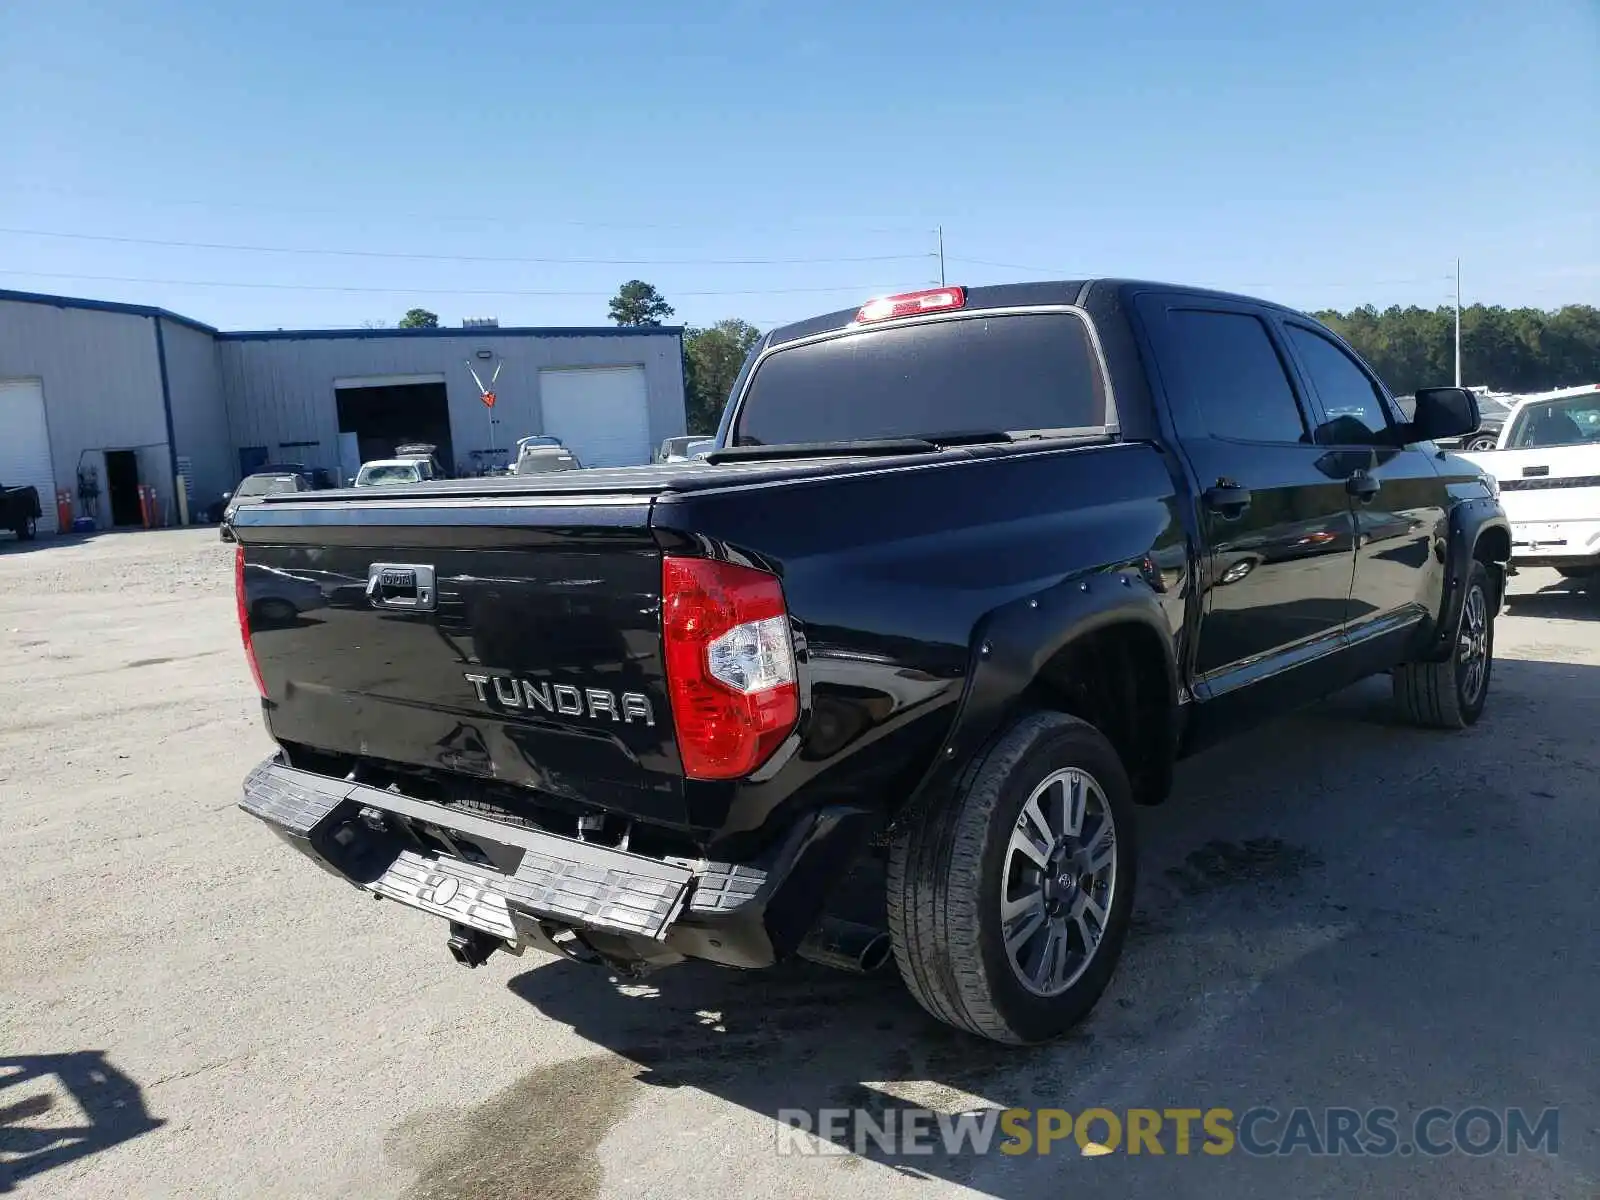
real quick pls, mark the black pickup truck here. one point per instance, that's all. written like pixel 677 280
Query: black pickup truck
pixel 20 511
pixel 969 571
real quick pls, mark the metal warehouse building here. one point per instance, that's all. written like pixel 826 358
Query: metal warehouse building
pixel 99 398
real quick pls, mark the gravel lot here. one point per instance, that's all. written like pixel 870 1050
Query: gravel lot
pixel 1336 911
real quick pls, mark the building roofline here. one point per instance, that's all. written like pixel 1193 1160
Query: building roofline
pixel 486 331
pixel 271 335
pixel 116 306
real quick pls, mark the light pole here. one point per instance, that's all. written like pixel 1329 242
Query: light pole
pixel 1458 322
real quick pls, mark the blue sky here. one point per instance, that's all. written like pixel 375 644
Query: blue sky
pixel 1322 155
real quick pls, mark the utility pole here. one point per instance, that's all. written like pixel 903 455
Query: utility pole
pixel 1458 322
pixel 939 230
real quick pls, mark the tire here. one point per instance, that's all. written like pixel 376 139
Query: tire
pixel 951 870
pixel 271 610
pixel 1447 695
pixel 1481 443
pixel 28 529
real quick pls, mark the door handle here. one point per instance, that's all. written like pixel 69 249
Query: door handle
pixel 1226 499
pixel 1362 486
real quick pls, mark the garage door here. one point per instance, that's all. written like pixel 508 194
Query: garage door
pixel 25 445
pixel 601 414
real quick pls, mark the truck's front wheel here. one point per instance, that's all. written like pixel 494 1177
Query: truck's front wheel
pixel 1008 906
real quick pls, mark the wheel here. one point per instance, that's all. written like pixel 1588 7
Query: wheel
pixel 1008 906
pixel 1482 442
pixel 1451 694
pixel 273 610
pixel 28 529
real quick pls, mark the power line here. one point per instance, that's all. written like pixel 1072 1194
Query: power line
pixel 464 258
pixel 1057 274
pixel 122 198
pixel 870 289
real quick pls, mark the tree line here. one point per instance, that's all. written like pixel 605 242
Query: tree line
pixel 1507 349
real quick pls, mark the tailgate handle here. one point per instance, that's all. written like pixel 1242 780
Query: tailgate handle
pixel 406 586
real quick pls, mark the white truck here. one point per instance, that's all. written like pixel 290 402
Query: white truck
pixel 1547 465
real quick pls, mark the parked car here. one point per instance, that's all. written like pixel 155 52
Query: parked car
pixel 423 453
pixel 387 472
pixel 1547 466
pixel 540 455
pixel 317 477
pixel 252 489
pixel 678 448
pixel 20 511
pixel 955 614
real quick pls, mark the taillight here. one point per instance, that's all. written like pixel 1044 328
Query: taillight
pixel 730 665
pixel 243 606
pixel 909 304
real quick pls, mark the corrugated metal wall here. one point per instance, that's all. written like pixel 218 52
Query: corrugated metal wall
pixel 282 390
pixel 199 417
pixel 102 388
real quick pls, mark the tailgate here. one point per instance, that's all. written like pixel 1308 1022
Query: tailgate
pixel 515 639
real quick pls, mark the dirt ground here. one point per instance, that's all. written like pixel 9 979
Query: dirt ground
pixel 1334 911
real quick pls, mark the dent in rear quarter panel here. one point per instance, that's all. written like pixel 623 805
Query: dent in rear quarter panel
pixel 891 576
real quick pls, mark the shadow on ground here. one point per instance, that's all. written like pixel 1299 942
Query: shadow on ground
pixel 1570 599
pixel 39 1129
pixel 1314 926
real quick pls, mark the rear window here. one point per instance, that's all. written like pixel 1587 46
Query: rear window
pixel 1013 374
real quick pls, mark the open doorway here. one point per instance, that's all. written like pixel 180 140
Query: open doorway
pixel 122 487
pixel 388 415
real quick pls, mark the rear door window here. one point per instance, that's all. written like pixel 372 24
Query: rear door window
pixel 1017 373
pixel 1229 371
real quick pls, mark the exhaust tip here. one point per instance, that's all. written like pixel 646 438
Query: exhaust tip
pixel 847 946
pixel 875 955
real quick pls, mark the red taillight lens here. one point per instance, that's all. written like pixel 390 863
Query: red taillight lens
pixel 243 606
pixel 730 665
pixel 909 304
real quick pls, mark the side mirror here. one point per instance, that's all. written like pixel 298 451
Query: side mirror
pixel 227 496
pixel 1443 412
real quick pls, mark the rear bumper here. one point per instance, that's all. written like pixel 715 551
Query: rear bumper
pixel 1559 543
pixel 532 887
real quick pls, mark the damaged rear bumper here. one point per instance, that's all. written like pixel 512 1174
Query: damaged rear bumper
pixel 527 886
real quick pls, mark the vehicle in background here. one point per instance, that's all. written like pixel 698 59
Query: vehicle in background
pixel 676 448
pixel 252 488
pixel 317 477
pixel 20 511
pixel 388 472
pixel 423 453
pixel 700 447
pixel 951 611
pixel 540 454
pixel 1547 466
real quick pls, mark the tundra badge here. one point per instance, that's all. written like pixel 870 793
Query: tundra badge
pixel 506 691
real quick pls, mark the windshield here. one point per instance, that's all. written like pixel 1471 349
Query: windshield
pixel 1574 421
pixel 1018 373
pixel 266 485
pixel 372 476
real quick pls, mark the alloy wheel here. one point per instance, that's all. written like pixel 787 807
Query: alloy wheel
pixel 1058 882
